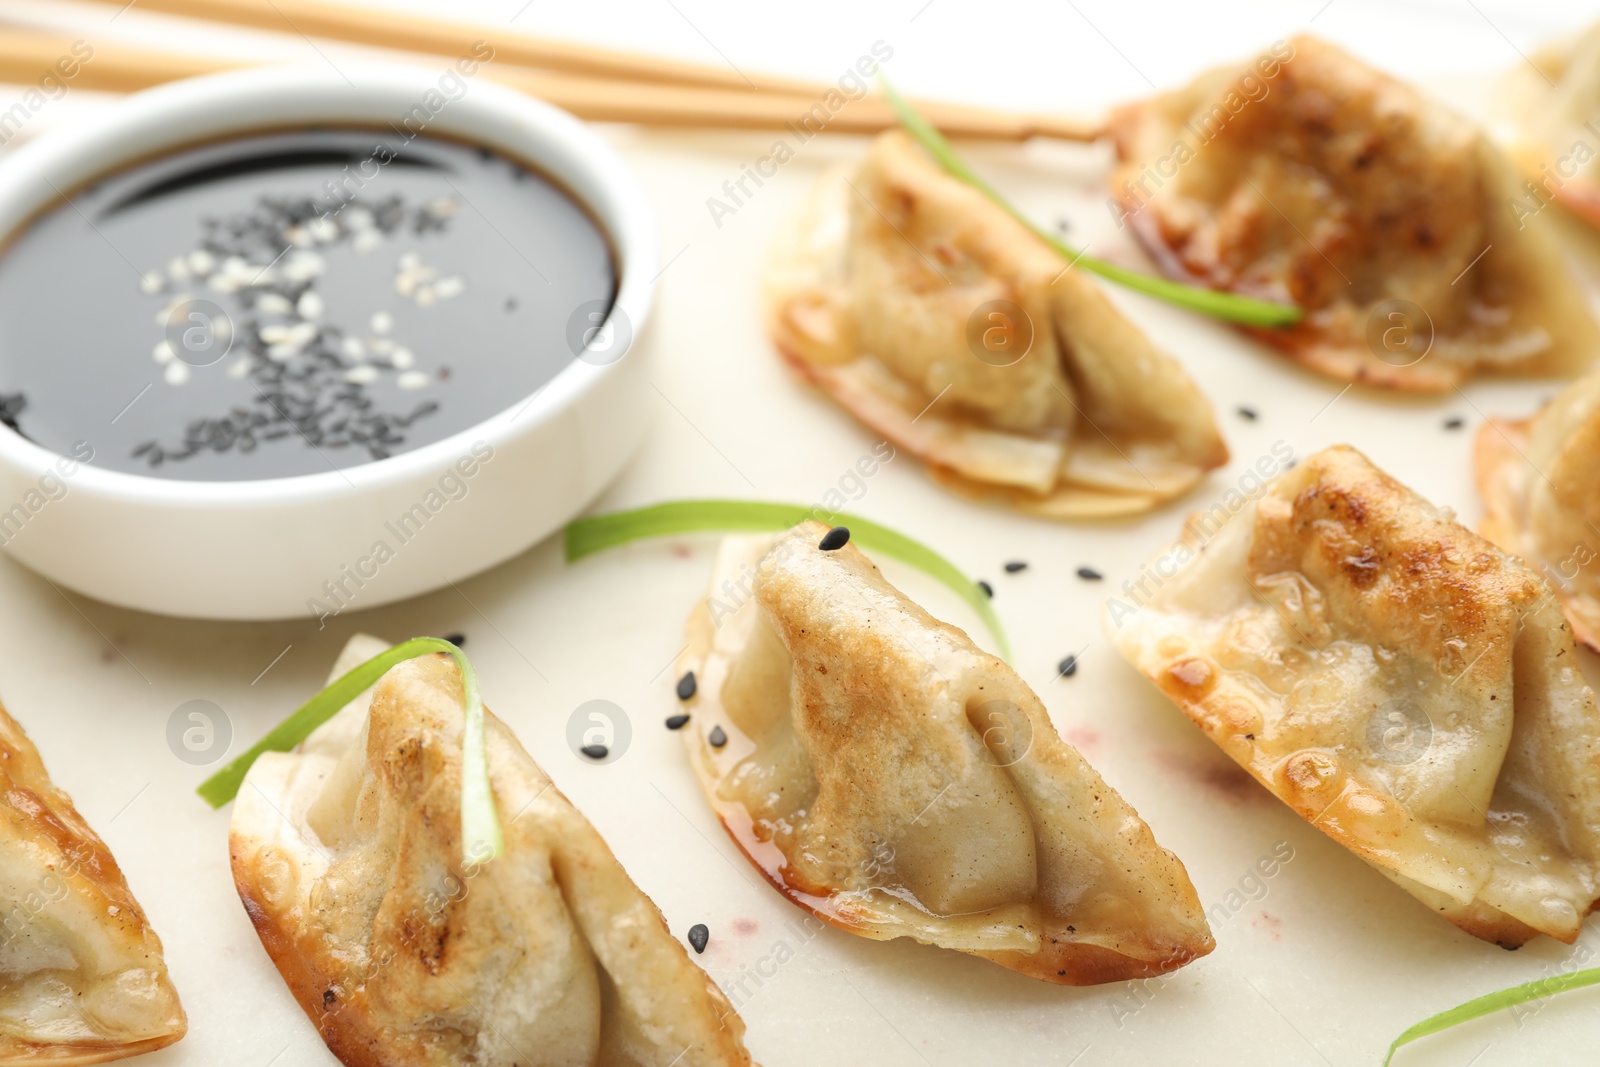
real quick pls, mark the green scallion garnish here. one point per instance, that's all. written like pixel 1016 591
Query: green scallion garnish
pixel 480 823
pixel 1213 302
pixel 588 536
pixel 1490 1003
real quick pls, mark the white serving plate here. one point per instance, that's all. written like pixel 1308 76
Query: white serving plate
pixel 1325 967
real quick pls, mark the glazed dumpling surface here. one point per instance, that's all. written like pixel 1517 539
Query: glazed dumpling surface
pixel 888 775
pixel 943 324
pixel 1542 497
pixel 85 980
pixel 1402 684
pixel 347 855
pixel 1306 177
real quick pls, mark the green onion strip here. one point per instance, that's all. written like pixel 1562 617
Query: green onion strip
pixel 1490 1003
pixel 588 536
pixel 481 839
pixel 1213 302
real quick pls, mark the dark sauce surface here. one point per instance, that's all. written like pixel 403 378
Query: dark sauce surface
pixel 343 295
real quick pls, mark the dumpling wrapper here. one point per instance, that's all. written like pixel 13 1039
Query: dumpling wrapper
pixel 895 780
pixel 875 292
pixel 1402 684
pixel 1541 496
pixel 85 979
pixel 347 856
pixel 1320 182
pixel 1552 102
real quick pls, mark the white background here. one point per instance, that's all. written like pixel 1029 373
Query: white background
pixel 1326 967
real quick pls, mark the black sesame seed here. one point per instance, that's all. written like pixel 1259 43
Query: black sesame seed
pixel 677 722
pixel 1454 422
pixel 1247 413
pixel 718 738
pixel 459 640
pixel 687 686
pixel 988 590
pixel 1068 667
pixel 699 937
pixel 1089 574
pixel 305 397
pixel 595 751
pixel 834 539
pixel 1016 565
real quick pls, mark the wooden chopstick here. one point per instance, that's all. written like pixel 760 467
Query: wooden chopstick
pixel 412 33
pixel 121 66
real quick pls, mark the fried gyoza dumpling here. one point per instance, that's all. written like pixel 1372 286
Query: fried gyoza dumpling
pixel 347 855
pixel 939 321
pixel 1309 178
pixel 85 981
pixel 1542 497
pixel 1405 686
pixel 1552 102
pixel 889 776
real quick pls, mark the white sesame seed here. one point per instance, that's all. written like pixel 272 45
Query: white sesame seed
pixel 367 240
pixel 402 358
pixel 303 266
pixel 445 288
pixel 282 353
pixel 177 269
pixel 352 348
pixel 412 379
pixel 201 262
pixel 381 345
pixel 425 296
pixel 382 322
pixel 177 372
pixel 239 367
pixel 358 218
pixel 443 207
pixel 297 236
pixel 324 230
pixel 303 333
pixel 163 352
pixel 224 283
pixel 275 334
pixel 361 375
pixel 310 305
pixel 273 304
pixel 236 267
pixel 151 283
pixel 409 261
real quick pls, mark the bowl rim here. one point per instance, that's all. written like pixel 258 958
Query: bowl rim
pixel 75 154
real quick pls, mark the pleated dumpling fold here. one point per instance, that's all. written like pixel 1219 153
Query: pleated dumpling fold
pixel 1305 176
pixel 943 324
pixel 889 776
pixel 1405 686
pixel 347 855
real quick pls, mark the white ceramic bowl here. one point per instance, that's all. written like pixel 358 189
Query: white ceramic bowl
pixel 308 545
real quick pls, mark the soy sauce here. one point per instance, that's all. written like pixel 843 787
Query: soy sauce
pixel 290 303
